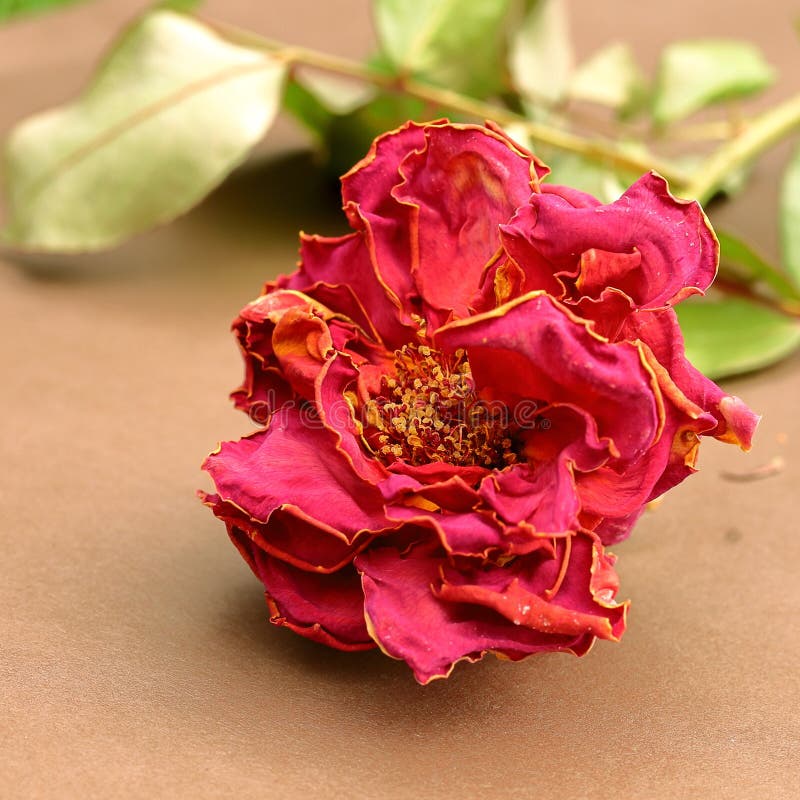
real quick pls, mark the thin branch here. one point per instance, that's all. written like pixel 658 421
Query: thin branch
pixel 733 286
pixel 763 132
pixel 598 149
pixel 715 130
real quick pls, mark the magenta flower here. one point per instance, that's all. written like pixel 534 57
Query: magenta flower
pixel 464 401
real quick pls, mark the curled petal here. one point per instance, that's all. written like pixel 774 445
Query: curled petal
pixel 575 197
pixel 288 535
pixel 302 343
pixel 475 533
pixel 532 348
pixel 539 169
pixel 660 330
pixel 382 220
pixel 532 270
pixel 672 251
pixel 461 615
pixel 295 463
pixel 325 608
pixel 608 313
pixel 460 186
pixel 557 595
pixel 543 497
pixel 335 391
pixel 491 522
pixel 684 423
pixel 599 269
pixel 562 431
pixel 502 281
pixel 346 261
pixel 286 337
pixel 617 497
pixel 370 183
pixel 265 388
pixel 451 494
pixel 740 422
pixel 437 471
pixel 612 529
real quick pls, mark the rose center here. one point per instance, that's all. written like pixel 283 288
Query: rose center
pixel 429 412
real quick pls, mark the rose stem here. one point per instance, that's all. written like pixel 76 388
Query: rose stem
pixel 761 133
pixel 595 149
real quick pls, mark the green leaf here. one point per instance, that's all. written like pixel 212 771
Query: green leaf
pixel 730 336
pixel 14 8
pixel 610 78
pixel 572 170
pixel 337 95
pixel 541 55
pixel 740 261
pixel 790 217
pixel 316 100
pixel 181 6
pixel 170 113
pixel 694 74
pixel 306 107
pixel 448 42
pixel 349 136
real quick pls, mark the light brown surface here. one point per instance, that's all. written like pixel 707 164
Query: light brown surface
pixel 135 655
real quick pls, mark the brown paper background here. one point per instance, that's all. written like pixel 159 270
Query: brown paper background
pixel 136 659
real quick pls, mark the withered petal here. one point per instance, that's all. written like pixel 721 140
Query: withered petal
pixel 463 613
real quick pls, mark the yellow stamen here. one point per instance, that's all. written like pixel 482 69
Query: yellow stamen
pixel 430 412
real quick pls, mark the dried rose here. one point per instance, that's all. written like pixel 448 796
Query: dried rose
pixel 464 401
